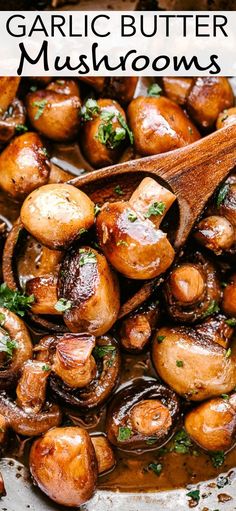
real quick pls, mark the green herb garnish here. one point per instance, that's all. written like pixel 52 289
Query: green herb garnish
pixel 122 242
pixel 181 443
pixel 118 190
pixel 82 231
pixel 132 216
pixel 40 105
pixel 231 322
pixel 124 433
pixel 179 363
pixel 97 209
pixel 157 208
pixel 87 257
pixel 218 459
pixel 221 195
pixel 194 495
pixel 213 308
pixel 63 305
pixel 126 128
pixel 225 396
pixel 33 88
pixel 46 367
pixel 151 441
pixel 102 351
pixel 14 300
pixel 156 468
pixel 21 128
pixel 112 136
pixel 228 353
pixel 7 345
pixel 160 338
pixel 154 90
pixel 89 110
pixel 2 318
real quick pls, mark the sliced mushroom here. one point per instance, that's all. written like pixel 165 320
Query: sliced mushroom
pixel 193 361
pixel 55 214
pixel 142 415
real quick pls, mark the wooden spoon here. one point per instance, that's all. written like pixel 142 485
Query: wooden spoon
pixel 192 173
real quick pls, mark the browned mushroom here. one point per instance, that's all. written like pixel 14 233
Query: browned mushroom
pixel 229 297
pixel 55 214
pixel 31 387
pixel 15 347
pixel 212 425
pixel 177 88
pixel 191 288
pixel 136 330
pixel 226 118
pixel 195 361
pixel 64 466
pixel 8 90
pixel 159 125
pixel 80 361
pixel 142 415
pixel 207 98
pixel 54 111
pixel 104 131
pixel 104 453
pixel 12 121
pixel 91 289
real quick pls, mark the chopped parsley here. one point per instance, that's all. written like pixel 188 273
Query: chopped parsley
pixel 102 351
pixel 212 308
pixel 132 216
pixel 151 440
pixel 40 106
pixel 97 209
pixel 118 190
pixel 231 322
pixel 87 257
pixel 82 231
pixel 124 433
pixel 218 459
pixel 228 353
pixel 181 443
pixel 221 195
pixel 160 338
pixel 122 242
pixel 21 128
pixel 33 88
pixel 156 468
pixel 154 90
pixel 157 208
pixel 63 305
pixel 179 363
pixel 14 300
pixel 194 495
pixel 46 367
pixel 7 345
pixel 2 318
pixel 89 110
pixel 225 396
pixel 112 136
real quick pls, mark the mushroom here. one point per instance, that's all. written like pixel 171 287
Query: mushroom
pixel 31 387
pixel 121 88
pixel 159 125
pixel 104 454
pixel 142 415
pixel 212 424
pixel 76 365
pixel 196 362
pixel 15 347
pixel 63 464
pixel 191 287
pixel 229 297
pixel 12 121
pixel 129 238
pixel 54 111
pixel 208 96
pixel 91 289
pixel 135 331
pixel 8 89
pixel 55 214
pixel 104 131
pixel 44 290
pixel 97 82
pixel 226 118
pixel 24 166
pixel 177 88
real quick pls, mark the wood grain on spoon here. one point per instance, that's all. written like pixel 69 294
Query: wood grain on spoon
pixel 192 172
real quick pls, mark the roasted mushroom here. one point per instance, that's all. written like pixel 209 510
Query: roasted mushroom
pixel 207 98
pixel 8 91
pixel 135 331
pixel 54 111
pixel 121 88
pixel 12 121
pixel 56 214
pixel 31 387
pixel 226 118
pixel 212 425
pixel 64 466
pixel 191 288
pixel 177 88
pixel 44 290
pixel 142 415
pixel 104 131
pixel 24 166
pixel 104 453
pixel 91 289
pixel 15 347
pixel 196 362
pixel 159 125
pixel 229 297
pixel 72 358
pixel 131 242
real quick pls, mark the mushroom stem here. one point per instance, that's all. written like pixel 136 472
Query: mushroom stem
pixel 73 362
pixel 148 196
pixel 31 388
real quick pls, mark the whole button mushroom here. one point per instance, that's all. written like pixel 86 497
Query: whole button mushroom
pixel 196 362
pixel 55 214
pixel 159 125
pixel 212 425
pixel 226 118
pixel 63 464
pixel 207 98
pixel 229 297
pixel 24 166
pixel 177 88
